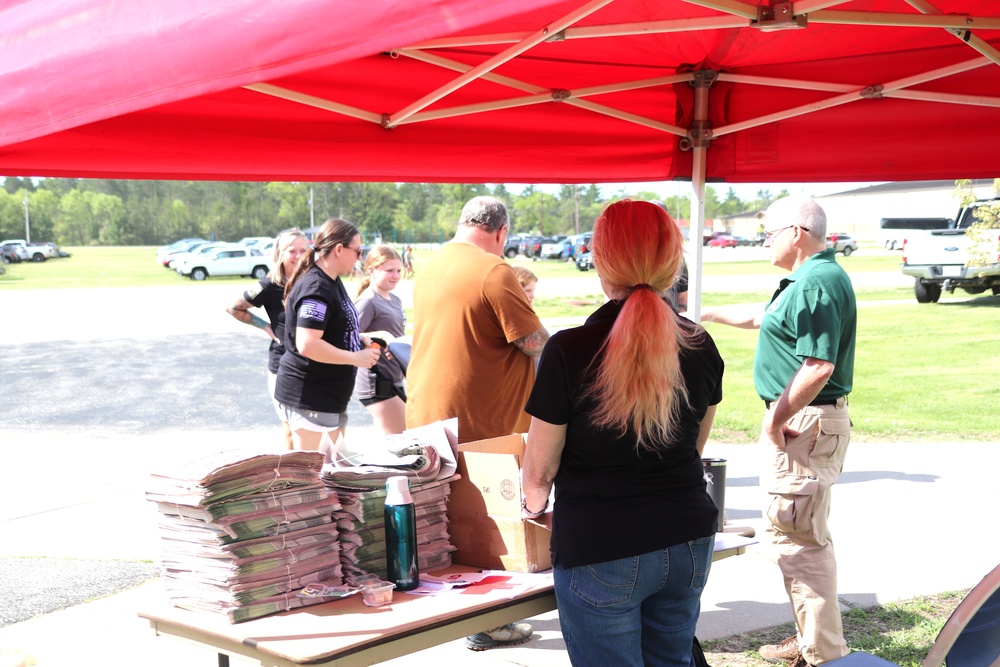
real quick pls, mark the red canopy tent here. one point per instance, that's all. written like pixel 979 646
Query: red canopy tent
pixel 502 90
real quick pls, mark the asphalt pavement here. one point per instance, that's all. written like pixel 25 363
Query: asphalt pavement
pixel 98 393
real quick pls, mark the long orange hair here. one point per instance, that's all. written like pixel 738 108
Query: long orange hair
pixel 637 251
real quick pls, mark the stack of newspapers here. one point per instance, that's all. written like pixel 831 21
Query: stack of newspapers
pixel 242 535
pixel 425 457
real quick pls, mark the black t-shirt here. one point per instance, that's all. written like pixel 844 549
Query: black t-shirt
pixel 318 302
pixel 271 298
pixel 613 501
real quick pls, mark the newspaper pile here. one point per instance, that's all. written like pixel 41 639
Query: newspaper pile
pixel 426 457
pixel 243 535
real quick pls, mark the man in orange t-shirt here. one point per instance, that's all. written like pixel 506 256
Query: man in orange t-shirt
pixel 475 335
pixel 475 338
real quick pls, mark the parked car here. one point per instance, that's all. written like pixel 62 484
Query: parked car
pixel 59 251
pixel 581 243
pixel 584 262
pixel 553 247
pixel 254 241
pixel 708 236
pixel 744 241
pixel 531 246
pixel 229 260
pixel 174 261
pixel 14 253
pixel 174 247
pixel 512 247
pixel 166 256
pixel 36 252
pixel 842 243
pixel 723 241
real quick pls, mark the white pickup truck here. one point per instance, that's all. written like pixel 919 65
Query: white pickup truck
pixel 227 260
pixel 37 252
pixel 938 259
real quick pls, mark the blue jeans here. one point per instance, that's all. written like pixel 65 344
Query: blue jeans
pixel 637 611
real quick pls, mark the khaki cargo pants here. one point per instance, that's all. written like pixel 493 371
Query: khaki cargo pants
pixel 799 480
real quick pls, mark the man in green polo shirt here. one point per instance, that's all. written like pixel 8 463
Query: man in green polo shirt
pixel 803 370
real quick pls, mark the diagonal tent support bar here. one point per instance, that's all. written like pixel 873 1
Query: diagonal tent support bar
pixel 953 22
pixel 565 96
pixel 963 33
pixel 947 98
pixel 809 6
pixel 313 101
pixel 817 15
pixel 591 32
pixel 886 89
pixel 734 7
pixel 583 104
pixel 494 62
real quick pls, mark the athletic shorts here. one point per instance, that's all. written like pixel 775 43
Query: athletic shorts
pixel 272 378
pixel 310 420
pixel 397 390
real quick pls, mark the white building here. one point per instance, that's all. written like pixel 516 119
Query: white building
pixel 857 212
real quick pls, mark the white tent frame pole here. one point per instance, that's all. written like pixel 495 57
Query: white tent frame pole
pixel 816 14
pixel 963 32
pixel 588 32
pixel 697 226
pixel 887 90
pixel 313 101
pixel 947 98
pixel 890 19
pixel 492 63
pixel 440 61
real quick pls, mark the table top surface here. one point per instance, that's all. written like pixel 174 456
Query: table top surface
pixel 323 631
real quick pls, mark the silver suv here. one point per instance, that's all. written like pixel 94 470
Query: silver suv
pixel 842 243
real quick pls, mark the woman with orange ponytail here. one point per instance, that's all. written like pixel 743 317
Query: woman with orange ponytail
pixel 621 410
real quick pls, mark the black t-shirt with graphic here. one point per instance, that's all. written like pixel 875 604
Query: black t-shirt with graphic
pixel 318 302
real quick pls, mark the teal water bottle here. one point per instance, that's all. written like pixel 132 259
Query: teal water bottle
pixel 400 535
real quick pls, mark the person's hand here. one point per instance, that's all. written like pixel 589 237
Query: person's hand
pixel 777 432
pixel 367 357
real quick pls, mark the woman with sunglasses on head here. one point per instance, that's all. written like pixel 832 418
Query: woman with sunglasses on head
pixel 620 412
pixel 323 344
pixel 269 294
pixel 380 313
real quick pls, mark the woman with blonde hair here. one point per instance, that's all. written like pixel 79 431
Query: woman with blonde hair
pixel 269 294
pixel 380 315
pixel 621 410
pixel 323 343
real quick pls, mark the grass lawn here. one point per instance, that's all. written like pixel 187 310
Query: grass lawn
pixel 920 374
pixel 900 632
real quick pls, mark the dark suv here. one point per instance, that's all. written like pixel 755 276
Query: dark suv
pixel 510 250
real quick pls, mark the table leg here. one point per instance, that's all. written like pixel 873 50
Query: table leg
pixel 223 660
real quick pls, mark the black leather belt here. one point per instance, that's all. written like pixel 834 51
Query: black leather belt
pixel 818 402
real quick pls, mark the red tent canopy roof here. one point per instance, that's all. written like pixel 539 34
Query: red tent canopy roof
pixel 558 92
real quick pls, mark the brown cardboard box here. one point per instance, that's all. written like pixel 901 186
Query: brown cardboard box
pixel 484 510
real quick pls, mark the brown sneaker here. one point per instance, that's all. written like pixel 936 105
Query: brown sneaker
pixel 787 650
pixel 799 662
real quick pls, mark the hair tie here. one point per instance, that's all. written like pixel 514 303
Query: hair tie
pixel 642 285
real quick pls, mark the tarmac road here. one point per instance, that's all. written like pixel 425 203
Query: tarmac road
pixel 101 386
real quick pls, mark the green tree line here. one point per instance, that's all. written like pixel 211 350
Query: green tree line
pixel 81 212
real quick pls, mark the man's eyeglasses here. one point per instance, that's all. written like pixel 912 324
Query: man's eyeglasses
pixel 771 235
